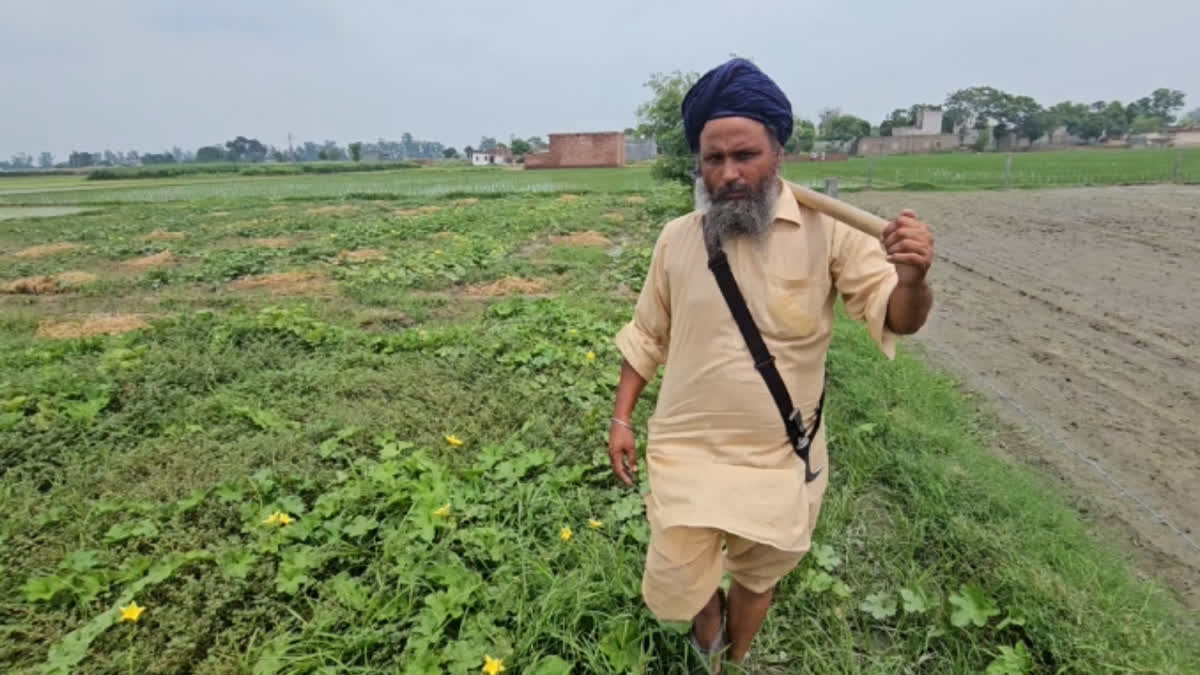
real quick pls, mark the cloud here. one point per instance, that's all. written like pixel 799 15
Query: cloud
pixel 149 74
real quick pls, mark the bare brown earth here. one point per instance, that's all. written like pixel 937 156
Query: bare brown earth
pixel 287 283
pixel 507 286
pixel 146 262
pixel 1077 313
pixel 100 324
pixel 585 238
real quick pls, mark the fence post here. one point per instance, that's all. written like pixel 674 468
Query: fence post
pixel 831 187
pixel 870 170
pixel 1178 165
pixel 1008 170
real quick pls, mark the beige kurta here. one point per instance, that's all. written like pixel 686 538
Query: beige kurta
pixel 717 452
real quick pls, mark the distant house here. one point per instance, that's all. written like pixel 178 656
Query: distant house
pixel 929 123
pixel 497 155
pixel 1149 140
pixel 1185 137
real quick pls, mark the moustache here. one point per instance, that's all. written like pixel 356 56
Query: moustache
pixel 735 191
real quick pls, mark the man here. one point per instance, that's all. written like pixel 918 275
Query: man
pixel 722 469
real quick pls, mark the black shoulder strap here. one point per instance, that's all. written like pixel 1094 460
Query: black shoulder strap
pixel 764 362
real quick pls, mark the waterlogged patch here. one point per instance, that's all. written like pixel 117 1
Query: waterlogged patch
pixel 99 324
pixel 47 250
pixel 585 238
pixel 14 212
pixel 507 286
pixel 287 283
pixel 146 262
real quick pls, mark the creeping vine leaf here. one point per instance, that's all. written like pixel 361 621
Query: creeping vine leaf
pixel 879 605
pixel 972 606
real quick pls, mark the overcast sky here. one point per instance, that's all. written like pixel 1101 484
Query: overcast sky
pixel 149 74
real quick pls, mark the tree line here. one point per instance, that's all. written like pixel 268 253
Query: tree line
pixel 241 149
pixel 992 113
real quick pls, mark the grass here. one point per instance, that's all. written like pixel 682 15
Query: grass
pixel 429 449
pixel 942 171
pixel 986 171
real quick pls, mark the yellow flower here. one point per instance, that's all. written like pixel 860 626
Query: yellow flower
pixel 454 440
pixel 443 512
pixel 572 332
pixel 591 356
pixel 279 518
pixel 492 666
pixel 565 534
pixel 437 251
pixel 595 524
pixel 132 613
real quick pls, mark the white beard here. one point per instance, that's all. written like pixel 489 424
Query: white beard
pixel 728 219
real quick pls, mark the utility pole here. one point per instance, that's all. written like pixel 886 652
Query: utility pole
pixel 291 152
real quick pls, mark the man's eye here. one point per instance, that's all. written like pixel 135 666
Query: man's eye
pixel 746 155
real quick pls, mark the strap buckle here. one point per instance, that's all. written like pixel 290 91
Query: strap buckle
pixel 802 444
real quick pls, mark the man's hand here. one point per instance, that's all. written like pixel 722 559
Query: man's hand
pixel 909 246
pixel 622 450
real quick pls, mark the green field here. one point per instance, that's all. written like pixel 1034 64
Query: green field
pixel 338 349
pixel 942 171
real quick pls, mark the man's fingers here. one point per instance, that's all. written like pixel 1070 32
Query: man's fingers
pixel 631 459
pixel 914 259
pixel 618 466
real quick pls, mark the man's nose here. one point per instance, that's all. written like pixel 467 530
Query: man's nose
pixel 730 172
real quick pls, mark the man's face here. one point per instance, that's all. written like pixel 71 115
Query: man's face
pixel 738 181
pixel 736 156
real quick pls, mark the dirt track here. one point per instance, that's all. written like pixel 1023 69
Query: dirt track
pixel 1078 312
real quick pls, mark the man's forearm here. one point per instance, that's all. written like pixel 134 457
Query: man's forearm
pixel 628 390
pixel 908 307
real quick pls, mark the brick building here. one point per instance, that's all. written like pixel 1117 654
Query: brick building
pixel 606 148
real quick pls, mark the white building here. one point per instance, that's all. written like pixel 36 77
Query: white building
pixel 498 155
pixel 929 123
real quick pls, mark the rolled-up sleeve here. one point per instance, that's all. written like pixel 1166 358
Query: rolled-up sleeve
pixel 644 339
pixel 865 279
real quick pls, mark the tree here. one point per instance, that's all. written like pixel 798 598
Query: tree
pixel 210 153
pixel 520 147
pixel 825 121
pixel 468 152
pixel 1193 117
pixel 1145 124
pixel 661 118
pixel 246 149
pixel 356 151
pixel 848 127
pixel 537 144
pixel 898 118
pixel 450 153
pixel 804 135
pixel 80 160
pixel 46 160
pixel 1034 124
pixel 1164 103
pixel 487 143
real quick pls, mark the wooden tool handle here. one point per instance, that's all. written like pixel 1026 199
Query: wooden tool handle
pixel 839 210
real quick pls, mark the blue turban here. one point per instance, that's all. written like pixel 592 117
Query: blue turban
pixel 736 88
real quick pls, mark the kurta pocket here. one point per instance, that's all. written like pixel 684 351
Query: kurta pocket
pixel 793 307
